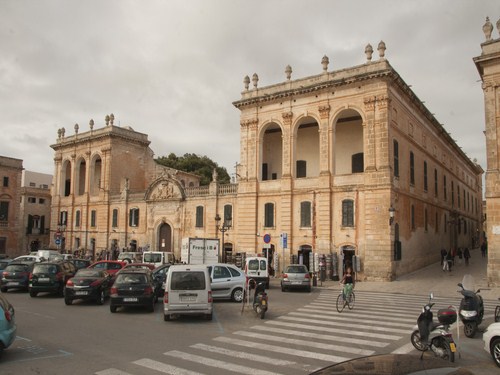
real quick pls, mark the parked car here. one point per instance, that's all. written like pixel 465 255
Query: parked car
pixel 16 276
pixel 491 338
pixel 4 262
pixel 130 256
pixel 61 257
pixel 133 287
pixel 147 266
pixel 50 277
pixel 7 323
pixel 296 276
pixel 160 276
pixel 81 263
pixel 187 292
pixel 227 281
pixel 110 266
pixel 28 258
pixel 88 284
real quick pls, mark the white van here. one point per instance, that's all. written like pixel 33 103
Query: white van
pixel 158 257
pixel 48 254
pixel 187 292
pixel 257 268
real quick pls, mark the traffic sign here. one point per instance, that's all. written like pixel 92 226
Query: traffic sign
pixel 58 241
pixel 284 240
pixel 267 238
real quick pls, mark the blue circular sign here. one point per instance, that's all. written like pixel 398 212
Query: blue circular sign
pixel 267 238
pixel 58 241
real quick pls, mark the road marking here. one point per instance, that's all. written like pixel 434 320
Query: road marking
pixel 243 355
pixel 111 371
pixel 163 367
pixel 310 344
pixel 283 350
pixel 405 349
pixel 374 317
pixel 218 364
pixel 335 330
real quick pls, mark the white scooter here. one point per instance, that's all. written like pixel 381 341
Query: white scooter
pixel 430 335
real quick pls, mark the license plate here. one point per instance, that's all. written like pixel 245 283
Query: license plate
pixel 43 279
pixel 188 299
pixel 264 302
pixel 12 283
pixel 295 282
pixel 130 299
pixel 81 293
pixel 453 348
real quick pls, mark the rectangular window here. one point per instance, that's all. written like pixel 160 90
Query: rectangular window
pixel 452 194
pixel 133 217
pixel 412 168
pixel 5 181
pixel 32 184
pixel 357 163
pixel 199 217
pixel 396 158
pixel 425 176
pixel 228 215
pixel 444 189
pixel 4 211
pixel 435 182
pixel 31 200
pixel 41 201
pixel 114 222
pixel 347 213
pixel 264 172
pixel 63 218
pixel 301 168
pixel 458 196
pixel 93 218
pixel 269 215
pixel 305 214
pixel 77 218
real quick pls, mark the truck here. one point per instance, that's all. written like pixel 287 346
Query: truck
pixel 200 250
pixel 158 257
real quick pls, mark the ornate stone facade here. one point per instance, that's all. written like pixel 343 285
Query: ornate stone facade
pixel 10 195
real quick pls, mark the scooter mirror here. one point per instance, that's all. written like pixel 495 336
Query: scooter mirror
pixel 431 296
pixel 460 285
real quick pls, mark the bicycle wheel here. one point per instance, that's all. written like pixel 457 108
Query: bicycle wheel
pixel 350 301
pixel 497 314
pixel 340 303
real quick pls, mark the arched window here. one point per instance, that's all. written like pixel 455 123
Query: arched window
pixel 133 217
pixel 199 217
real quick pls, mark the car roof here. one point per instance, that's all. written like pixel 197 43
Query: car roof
pixel 189 267
pixel 134 270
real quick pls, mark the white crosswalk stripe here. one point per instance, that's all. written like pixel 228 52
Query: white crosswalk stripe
pixel 305 339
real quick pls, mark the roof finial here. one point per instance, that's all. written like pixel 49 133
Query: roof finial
pixel 255 80
pixel 246 81
pixel 369 52
pixel 381 49
pixel 288 72
pixel 487 29
pixel 325 61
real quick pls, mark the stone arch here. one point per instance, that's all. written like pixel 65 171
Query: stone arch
pixel 306 147
pixel 270 159
pixel 65 179
pixel 80 175
pixel 164 236
pixel 348 142
pixel 165 188
pixel 96 174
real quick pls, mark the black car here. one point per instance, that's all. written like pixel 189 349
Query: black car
pixel 88 284
pixel 134 287
pixel 16 276
pixel 81 263
pixel 50 277
pixel 160 276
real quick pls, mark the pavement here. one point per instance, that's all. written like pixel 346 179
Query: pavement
pixel 432 279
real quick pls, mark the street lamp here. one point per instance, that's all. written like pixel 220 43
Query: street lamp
pixel 392 210
pixel 226 225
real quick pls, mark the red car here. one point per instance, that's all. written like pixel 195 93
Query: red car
pixel 147 266
pixel 110 266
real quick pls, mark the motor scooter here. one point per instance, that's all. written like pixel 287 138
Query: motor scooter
pixel 430 335
pixel 260 300
pixel 471 308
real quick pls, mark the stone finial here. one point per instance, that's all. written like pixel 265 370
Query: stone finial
pixel 91 124
pixel 255 80
pixel 369 52
pixel 215 175
pixel 381 49
pixel 76 128
pixel 288 72
pixel 498 26
pixel 111 118
pixel 59 133
pixel 107 120
pixel 63 131
pixel 246 82
pixel 487 29
pixel 325 61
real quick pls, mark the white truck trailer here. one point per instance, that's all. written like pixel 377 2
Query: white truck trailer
pixel 200 250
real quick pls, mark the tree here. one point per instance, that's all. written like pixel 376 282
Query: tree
pixel 203 166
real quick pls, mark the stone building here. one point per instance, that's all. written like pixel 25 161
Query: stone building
pixel 35 211
pixel 344 163
pixel 10 195
pixel 488 65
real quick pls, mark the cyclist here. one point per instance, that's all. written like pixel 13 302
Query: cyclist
pixel 348 282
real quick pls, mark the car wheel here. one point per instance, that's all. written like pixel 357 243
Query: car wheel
pixel 68 301
pixel 495 351
pixel 308 289
pixel 100 299
pixel 237 295
pixel 112 308
pixel 166 317
pixel 33 293
pixel 208 316
pixel 151 308
pixel 3 289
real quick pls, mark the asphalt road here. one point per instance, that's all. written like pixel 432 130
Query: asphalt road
pixel 87 339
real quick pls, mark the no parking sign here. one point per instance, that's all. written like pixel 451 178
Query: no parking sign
pixel 267 238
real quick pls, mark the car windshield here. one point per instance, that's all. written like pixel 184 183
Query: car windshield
pixel 89 272
pixel 192 280
pixel 17 268
pixel 296 269
pixel 152 258
pixel 45 268
pixel 128 278
pixel 253 265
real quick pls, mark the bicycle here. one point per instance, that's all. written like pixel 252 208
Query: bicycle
pixel 342 301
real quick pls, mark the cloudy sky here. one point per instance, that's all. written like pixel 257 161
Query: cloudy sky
pixel 171 69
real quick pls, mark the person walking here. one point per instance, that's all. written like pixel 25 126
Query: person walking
pixel 483 250
pixel 443 256
pixel 459 254
pixel 466 256
pixel 449 260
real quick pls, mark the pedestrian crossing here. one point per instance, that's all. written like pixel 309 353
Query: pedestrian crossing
pixel 303 340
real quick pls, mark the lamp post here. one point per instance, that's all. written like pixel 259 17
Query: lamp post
pixel 392 210
pixel 226 225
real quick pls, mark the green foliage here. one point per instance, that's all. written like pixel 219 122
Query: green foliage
pixel 203 166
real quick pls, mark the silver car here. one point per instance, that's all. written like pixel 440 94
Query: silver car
pixel 296 276
pixel 227 281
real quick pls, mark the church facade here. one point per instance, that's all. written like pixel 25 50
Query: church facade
pixel 347 163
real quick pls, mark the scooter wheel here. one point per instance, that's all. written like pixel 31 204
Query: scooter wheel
pixel 415 340
pixel 262 314
pixel 470 329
